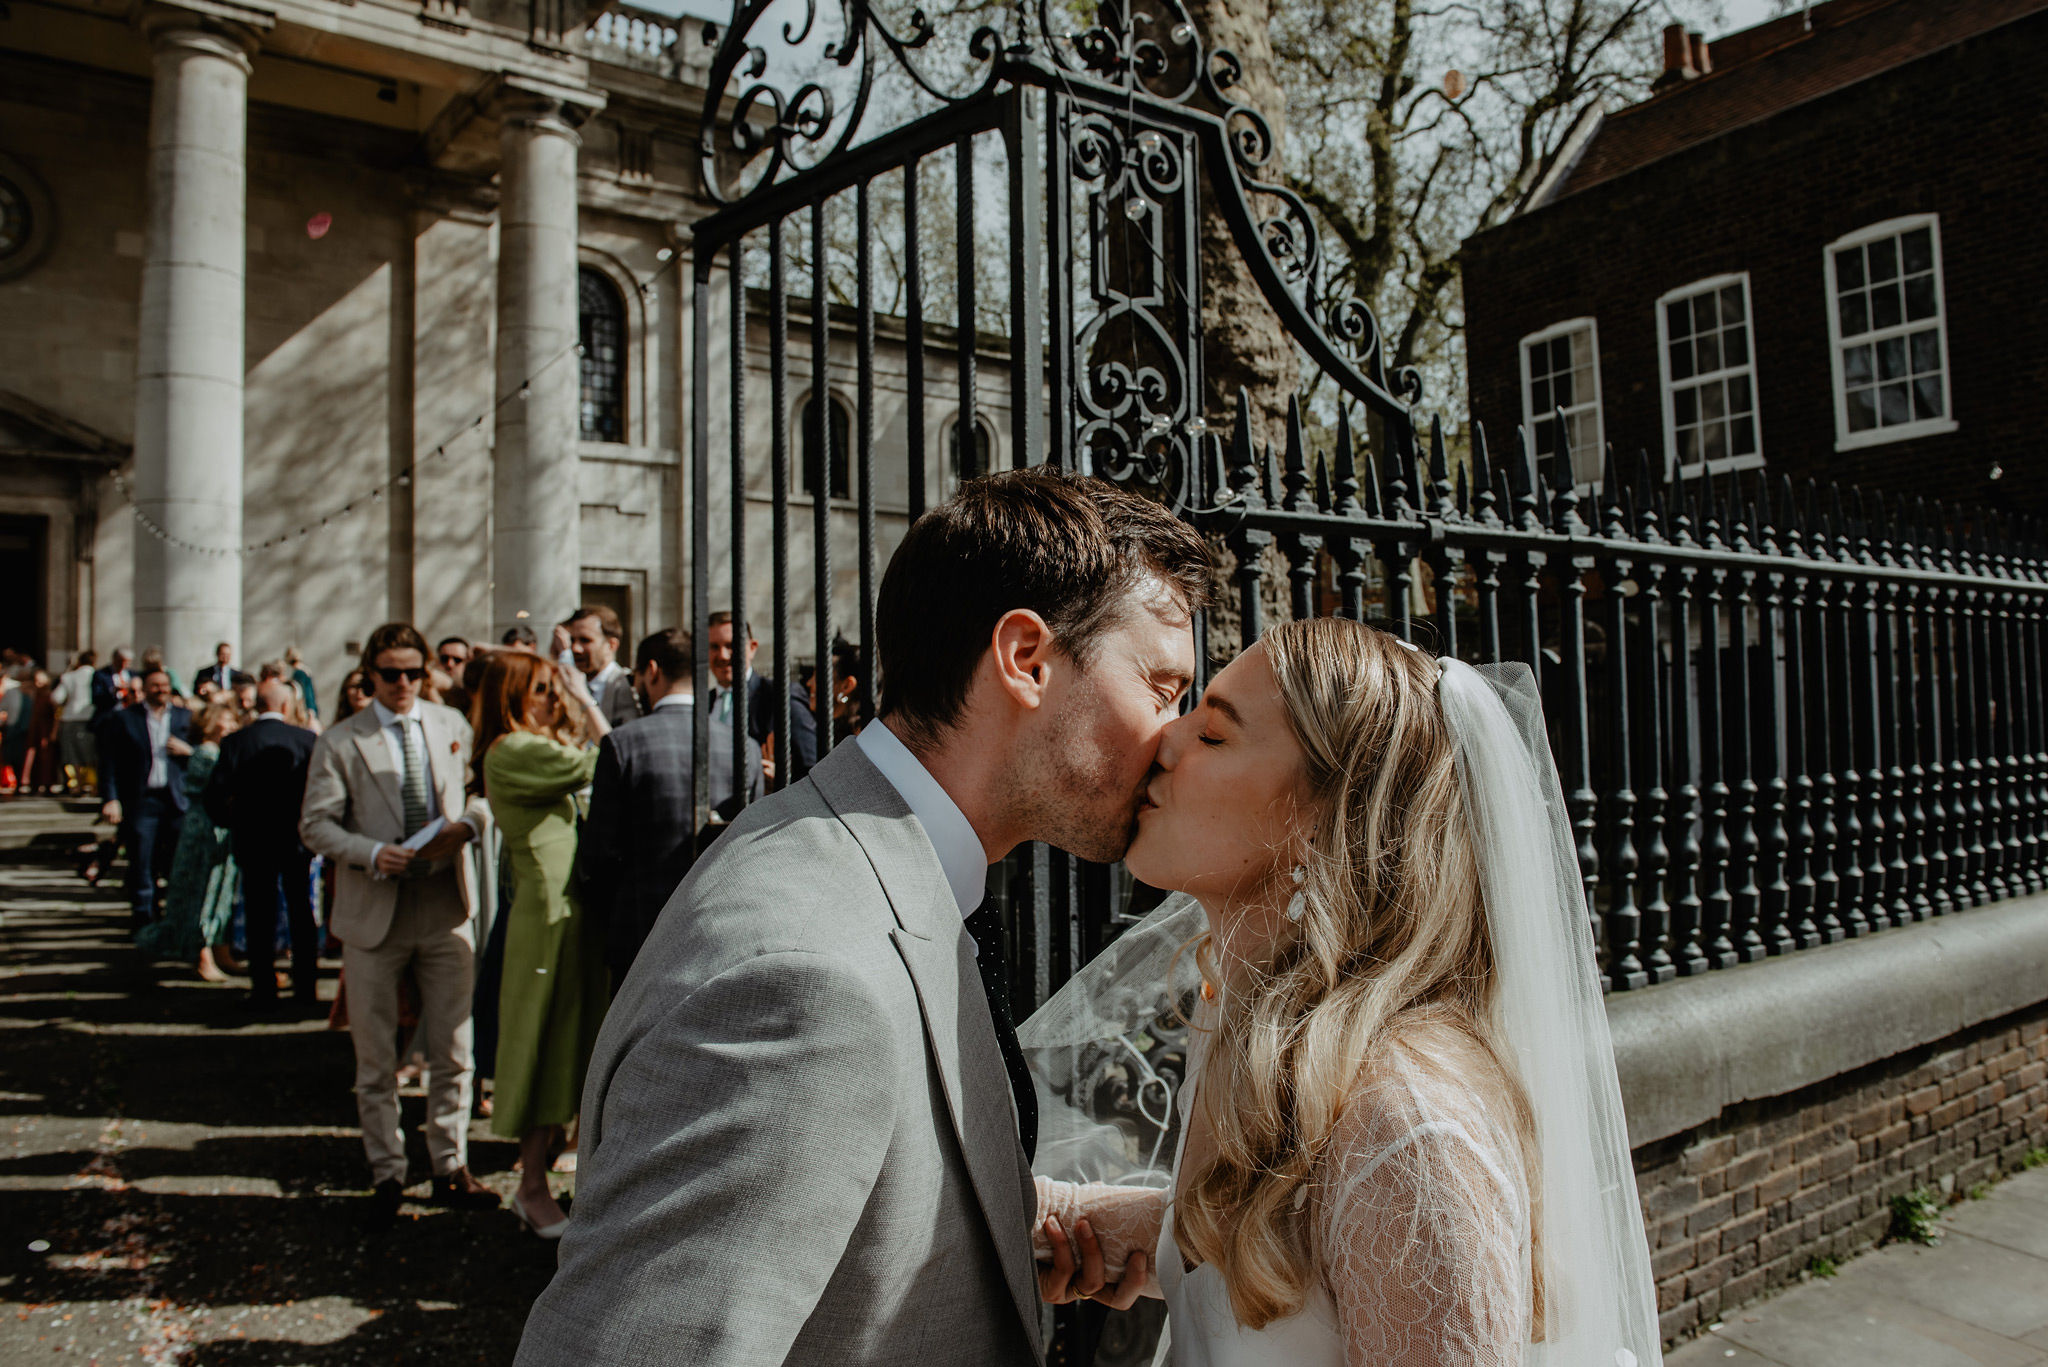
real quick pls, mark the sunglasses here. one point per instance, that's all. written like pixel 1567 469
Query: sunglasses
pixel 452 659
pixel 392 676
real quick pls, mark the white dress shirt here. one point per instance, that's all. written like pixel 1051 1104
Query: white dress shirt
pixel 391 726
pixel 601 682
pixel 77 694
pixel 158 722
pixel 959 849
pixel 675 700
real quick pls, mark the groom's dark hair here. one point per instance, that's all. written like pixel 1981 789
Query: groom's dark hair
pixel 1067 547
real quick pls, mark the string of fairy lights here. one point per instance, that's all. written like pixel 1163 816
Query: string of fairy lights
pixel 401 479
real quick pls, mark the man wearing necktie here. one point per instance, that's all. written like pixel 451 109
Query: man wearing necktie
pixel 220 671
pixel 404 900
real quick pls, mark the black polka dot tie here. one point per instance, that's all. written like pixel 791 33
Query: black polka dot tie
pixel 987 929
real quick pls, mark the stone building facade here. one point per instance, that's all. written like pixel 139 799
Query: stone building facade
pixel 293 295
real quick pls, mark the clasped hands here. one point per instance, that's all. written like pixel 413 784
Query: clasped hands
pixel 1072 1278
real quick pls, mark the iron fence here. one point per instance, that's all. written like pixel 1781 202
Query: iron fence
pixel 1784 716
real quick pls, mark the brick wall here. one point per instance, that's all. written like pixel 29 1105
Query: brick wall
pixel 1956 133
pixel 1741 1205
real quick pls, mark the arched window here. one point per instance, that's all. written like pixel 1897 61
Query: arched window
pixel 974 463
pixel 841 438
pixel 601 327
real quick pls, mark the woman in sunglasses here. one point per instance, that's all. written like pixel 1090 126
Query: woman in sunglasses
pixel 530 767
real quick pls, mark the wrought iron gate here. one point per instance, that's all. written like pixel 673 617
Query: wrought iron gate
pixel 1783 717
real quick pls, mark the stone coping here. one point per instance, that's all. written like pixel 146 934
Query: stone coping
pixel 1688 1050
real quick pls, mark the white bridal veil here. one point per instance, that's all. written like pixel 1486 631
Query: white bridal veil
pixel 1109 1050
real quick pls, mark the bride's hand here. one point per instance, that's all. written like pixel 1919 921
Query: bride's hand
pixel 1063 1282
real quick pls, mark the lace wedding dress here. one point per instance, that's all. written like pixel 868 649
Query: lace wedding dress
pixel 1417 1221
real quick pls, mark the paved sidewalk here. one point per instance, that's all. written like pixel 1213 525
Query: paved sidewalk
pixel 179 1184
pixel 1979 1298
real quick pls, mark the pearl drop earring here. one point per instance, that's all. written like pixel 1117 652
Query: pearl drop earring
pixel 1297 905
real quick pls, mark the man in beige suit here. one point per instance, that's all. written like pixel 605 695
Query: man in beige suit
pixel 403 898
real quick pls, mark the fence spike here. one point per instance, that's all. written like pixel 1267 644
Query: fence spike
pixel 1439 466
pixel 1764 531
pixel 1564 498
pixel 1485 506
pixel 1372 486
pixel 1394 497
pixel 1794 518
pixel 1347 465
pixel 1522 471
pixel 1682 524
pixel 1269 469
pixel 1322 483
pixel 1244 470
pixel 1297 458
pixel 1212 456
pixel 1463 505
pixel 1614 517
pixel 1649 499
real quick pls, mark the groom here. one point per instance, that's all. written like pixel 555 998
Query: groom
pixel 804 1137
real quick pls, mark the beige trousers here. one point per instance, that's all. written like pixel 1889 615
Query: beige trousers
pixel 443 962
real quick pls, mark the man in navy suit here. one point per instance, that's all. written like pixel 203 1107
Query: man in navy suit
pixel 641 836
pixel 221 671
pixel 257 787
pixel 143 748
pixel 803 726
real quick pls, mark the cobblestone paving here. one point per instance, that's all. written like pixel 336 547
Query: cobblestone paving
pixel 181 1185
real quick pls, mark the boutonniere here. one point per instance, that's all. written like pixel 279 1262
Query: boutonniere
pixel 454 747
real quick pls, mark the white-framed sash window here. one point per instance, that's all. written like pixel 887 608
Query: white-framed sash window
pixel 1707 358
pixel 1887 325
pixel 1561 371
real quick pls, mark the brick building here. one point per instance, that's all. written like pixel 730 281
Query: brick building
pixel 1816 249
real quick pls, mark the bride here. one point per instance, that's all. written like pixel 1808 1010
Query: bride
pixel 1401 1139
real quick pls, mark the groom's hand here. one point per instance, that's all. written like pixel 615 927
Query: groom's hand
pixel 1064 1282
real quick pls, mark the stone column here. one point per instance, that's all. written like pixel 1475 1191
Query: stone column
pixel 536 560
pixel 189 353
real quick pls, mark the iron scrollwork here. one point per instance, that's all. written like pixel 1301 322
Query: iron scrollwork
pixel 1138 408
pixel 759 129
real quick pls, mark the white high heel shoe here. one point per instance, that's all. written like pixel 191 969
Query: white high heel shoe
pixel 553 1231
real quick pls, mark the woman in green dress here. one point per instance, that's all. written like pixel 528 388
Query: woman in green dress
pixel 199 900
pixel 530 766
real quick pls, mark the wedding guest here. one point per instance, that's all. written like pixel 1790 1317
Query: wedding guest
pixel 221 669
pixel 204 882
pixel 153 658
pixel 295 666
pixel 355 696
pixel 555 988
pixel 205 692
pixel 41 772
pixel 641 836
pixel 375 782
pixel 74 729
pixel 519 636
pixel 594 636
pixel 16 703
pixel 143 750
pixel 110 686
pixel 851 705
pixel 256 791
pixel 760 690
pixel 454 653
pixel 244 687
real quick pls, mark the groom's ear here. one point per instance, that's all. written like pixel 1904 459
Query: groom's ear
pixel 1021 648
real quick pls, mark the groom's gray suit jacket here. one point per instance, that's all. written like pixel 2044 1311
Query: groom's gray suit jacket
pixel 797 1138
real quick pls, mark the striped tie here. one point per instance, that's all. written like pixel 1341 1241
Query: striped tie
pixel 413 784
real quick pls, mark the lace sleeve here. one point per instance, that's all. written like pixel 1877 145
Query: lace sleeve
pixel 1421 1225
pixel 1123 1218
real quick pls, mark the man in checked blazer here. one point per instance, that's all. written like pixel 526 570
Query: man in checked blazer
pixel 374 781
pixel 641 835
pixel 807 1128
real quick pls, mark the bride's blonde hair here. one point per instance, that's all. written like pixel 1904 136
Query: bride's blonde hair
pixel 1393 934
